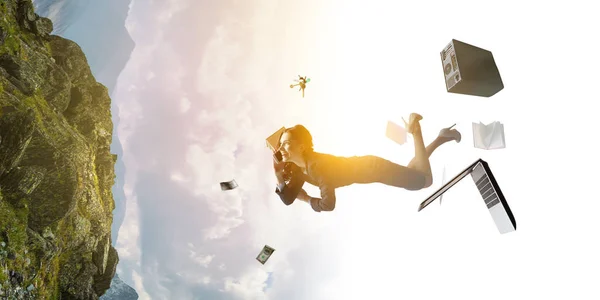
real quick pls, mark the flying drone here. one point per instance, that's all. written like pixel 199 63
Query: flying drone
pixel 301 82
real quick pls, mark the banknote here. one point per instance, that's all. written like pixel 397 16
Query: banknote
pixel 228 185
pixel 264 255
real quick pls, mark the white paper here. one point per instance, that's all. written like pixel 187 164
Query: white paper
pixel 489 137
pixel 478 135
pixel 497 140
pixel 396 133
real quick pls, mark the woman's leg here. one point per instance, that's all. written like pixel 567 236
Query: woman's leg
pixel 421 160
pixel 429 149
pixel 417 175
pixel 440 140
pixel 372 169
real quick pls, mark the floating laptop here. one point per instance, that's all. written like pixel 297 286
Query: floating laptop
pixel 490 192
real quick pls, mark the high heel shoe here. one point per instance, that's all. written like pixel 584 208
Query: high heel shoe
pixel 412 121
pixel 451 134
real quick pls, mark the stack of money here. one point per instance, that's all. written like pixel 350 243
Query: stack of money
pixel 264 255
pixel 228 185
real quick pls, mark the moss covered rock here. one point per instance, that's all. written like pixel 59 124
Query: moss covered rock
pixel 56 169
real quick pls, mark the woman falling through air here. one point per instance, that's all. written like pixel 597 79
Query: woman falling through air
pixel 301 164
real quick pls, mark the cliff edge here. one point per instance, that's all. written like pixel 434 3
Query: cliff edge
pixel 56 169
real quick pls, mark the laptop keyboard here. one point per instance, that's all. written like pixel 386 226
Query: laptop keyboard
pixel 487 191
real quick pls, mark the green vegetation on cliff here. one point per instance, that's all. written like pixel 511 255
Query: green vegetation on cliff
pixel 56 169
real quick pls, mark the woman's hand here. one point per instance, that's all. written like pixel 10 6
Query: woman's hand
pixel 303 196
pixel 278 167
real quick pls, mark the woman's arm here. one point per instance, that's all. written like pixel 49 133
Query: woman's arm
pixel 303 196
pixel 289 192
pixel 327 200
pixel 327 203
pixel 286 192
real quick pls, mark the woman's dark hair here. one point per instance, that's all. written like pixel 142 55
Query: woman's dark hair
pixel 300 134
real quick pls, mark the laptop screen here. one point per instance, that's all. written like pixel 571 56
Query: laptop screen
pixel 447 186
pixel 490 193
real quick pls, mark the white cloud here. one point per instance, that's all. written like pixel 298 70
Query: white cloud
pixel 127 244
pixel 206 280
pixel 150 75
pixel 223 228
pixel 164 17
pixel 194 279
pixel 202 260
pixel 219 58
pixel 178 177
pixel 139 286
pixel 56 10
pixel 250 286
pixel 207 167
pixel 185 104
pixel 363 73
pixel 173 7
pixel 224 122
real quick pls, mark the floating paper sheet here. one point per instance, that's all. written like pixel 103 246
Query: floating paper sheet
pixel 396 133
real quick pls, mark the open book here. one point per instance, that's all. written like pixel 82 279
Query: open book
pixel 489 136
pixel 273 139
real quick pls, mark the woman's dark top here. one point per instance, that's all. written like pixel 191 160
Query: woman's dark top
pixel 329 172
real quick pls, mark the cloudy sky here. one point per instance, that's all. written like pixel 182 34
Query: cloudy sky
pixel 208 82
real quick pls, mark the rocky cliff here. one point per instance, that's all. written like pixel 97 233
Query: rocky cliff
pixel 56 169
pixel 119 290
pixel 62 13
pixel 99 29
